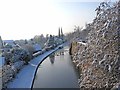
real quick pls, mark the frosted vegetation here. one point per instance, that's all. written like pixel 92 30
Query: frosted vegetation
pixel 18 53
pixel 95 49
pixel 98 59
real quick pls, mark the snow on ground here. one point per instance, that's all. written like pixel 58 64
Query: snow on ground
pixel 26 75
pixel 82 43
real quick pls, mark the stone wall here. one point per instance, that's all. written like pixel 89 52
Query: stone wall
pixel 98 59
pixel 73 48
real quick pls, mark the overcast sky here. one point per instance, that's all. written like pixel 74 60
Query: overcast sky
pixel 23 19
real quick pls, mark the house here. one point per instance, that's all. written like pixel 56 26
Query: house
pixel 9 42
pixel 50 44
pixel 37 48
pixel 50 41
pixel 21 42
pixel 58 40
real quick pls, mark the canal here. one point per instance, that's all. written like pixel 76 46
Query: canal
pixel 57 71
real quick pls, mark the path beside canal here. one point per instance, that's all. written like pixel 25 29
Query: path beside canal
pixel 25 77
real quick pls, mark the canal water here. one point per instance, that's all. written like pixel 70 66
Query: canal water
pixel 57 71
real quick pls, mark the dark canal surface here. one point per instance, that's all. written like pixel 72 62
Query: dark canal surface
pixel 57 71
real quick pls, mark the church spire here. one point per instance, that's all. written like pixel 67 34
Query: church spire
pixel 59 32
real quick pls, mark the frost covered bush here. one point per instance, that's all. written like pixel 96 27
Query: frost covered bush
pixel 99 60
pixel 8 56
pixel 29 50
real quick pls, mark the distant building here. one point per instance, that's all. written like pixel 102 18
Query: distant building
pixel 57 40
pixel 9 42
pixel 37 47
pixel 21 42
pixel 50 41
pixel 60 34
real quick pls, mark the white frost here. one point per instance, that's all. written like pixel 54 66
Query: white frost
pixel 25 77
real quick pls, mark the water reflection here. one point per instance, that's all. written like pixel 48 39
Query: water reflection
pixel 57 72
pixel 61 52
pixel 52 58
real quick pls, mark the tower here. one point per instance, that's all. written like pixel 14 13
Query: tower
pixel 62 35
pixel 59 32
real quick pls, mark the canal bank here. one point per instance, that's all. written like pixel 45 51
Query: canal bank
pixel 57 71
pixel 24 79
